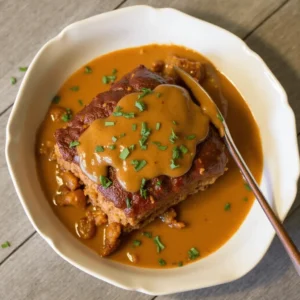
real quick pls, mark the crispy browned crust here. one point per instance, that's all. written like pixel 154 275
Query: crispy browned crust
pixel 209 163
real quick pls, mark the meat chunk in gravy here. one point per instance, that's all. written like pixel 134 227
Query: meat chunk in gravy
pixel 169 217
pixel 86 227
pixel 74 198
pixel 112 236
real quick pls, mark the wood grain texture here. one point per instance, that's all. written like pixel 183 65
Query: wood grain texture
pixel 25 26
pixel 239 17
pixel 37 273
pixel 14 225
pixel 277 41
pixel 274 278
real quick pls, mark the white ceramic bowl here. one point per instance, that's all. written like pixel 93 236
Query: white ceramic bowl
pixel 81 42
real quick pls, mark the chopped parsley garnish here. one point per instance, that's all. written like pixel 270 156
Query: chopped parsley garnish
pixel 183 149
pixel 119 113
pixel 99 149
pixel 173 165
pixel 131 147
pixel 80 102
pixel 190 137
pixel 245 199
pixel 162 262
pixel 227 206
pixel 74 144
pixel 108 123
pixel 174 122
pixel 247 187
pixel 141 105
pixel 67 116
pixel 145 131
pixel 134 127
pixel 193 253
pixel 144 92
pixel 176 153
pixel 111 147
pixel 137 243
pixel 147 234
pixel 157 126
pixel 128 202
pixel 138 164
pixel 105 182
pixel 114 139
pixel 159 245
pixel 180 264
pixel 143 191
pixel 5 245
pixel 158 183
pixel 124 154
pixel 23 69
pixel 13 80
pixel 158 95
pixel 87 70
pixel 74 88
pixel 160 146
pixel 219 116
pixel 129 115
pixel 110 78
pixel 122 134
pixel 173 137
pixel 56 99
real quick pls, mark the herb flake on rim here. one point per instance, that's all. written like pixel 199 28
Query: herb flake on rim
pixel 5 245
pixel 219 116
pixel 23 69
pixel 13 80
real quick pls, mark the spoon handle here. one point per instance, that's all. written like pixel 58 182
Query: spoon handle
pixel 280 230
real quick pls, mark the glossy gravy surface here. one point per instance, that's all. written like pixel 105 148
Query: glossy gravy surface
pixel 213 216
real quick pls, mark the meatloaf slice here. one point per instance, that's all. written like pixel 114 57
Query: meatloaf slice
pixel 209 162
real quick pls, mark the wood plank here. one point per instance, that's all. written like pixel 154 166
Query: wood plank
pixel 273 278
pixel 37 273
pixel 14 224
pixel 239 17
pixel 26 25
pixel 277 42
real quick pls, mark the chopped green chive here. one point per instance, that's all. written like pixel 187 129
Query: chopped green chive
pixel 173 165
pixel 145 131
pixel 162 262
pixel 99 149
pixel 160 146
pixel 67 116
pixel 111 78
pixel 74 88
pixel 5 245
pixel 141 105
pixel 129 115
pixel 111 147
pixel 105 80
pixel 114 139
pixel 122 134
pixel 190 137
pixel 56 99
pixel 137 243
pixel 227 206
pixel 159 245
pixel 13 80
pixel 119 113
pixel 157 126
pixel 87 70
pixel 134 127
pixel 128 202
pixel 143 191
pixel 180 264
pixel 158 183
pixel 183 149
pixel 176 153
pixel 124 154
pixel 245 199
pixel 108 123
pixel 147 234
pixel 158 95
pixel 219 116
pixel 247 187
pixel 131 147
pixel 74 144
pixel 174 122
pixel 23 69
pixel 173 137
pixel 138 164
pixel 80 102
pixel 193 253
pixel 144 92
pixel 114 71
pixel 105 182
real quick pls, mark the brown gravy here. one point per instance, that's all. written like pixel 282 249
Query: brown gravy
pixel 213 216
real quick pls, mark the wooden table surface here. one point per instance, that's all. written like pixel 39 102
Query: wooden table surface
pixel 30 269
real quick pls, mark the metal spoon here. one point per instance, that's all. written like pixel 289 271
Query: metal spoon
pixel 206 101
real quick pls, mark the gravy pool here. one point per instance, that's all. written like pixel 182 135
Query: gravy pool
pixel 212 216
